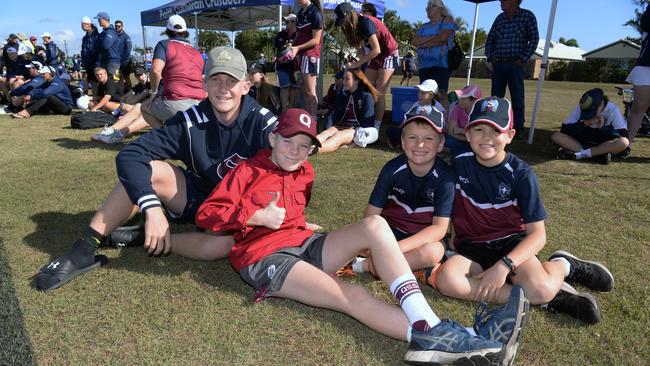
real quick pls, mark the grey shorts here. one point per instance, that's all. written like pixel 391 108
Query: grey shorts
pixel 158 109
pixel 271 271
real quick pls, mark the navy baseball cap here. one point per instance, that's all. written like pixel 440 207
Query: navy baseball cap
pixel 589 103
pixel 341 11
pixel 255 67
pixel 103 15
pixel 494 111
pixel 426 113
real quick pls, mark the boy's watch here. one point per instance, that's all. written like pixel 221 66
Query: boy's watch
pixel 509 263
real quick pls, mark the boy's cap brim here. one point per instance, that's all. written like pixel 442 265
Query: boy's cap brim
pixel 494 111
pixel 428 114
pixel 226 60
pixel 294 121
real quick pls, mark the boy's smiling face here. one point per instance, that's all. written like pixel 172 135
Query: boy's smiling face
pixel 488 143
pixel 421 143
pixel 289 153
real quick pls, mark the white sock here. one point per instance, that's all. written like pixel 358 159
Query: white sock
pixel 471 331
pixel 409 296
pixel 357 265
pixel 585 153
pixel 373 135
pixel 567 265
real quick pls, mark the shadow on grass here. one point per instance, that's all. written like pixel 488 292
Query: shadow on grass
pixel 16 348
pixel 56 232
pixel 72 144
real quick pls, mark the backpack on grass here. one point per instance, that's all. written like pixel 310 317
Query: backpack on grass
pixel 88 120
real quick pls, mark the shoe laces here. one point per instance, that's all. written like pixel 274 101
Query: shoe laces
pixel 482 315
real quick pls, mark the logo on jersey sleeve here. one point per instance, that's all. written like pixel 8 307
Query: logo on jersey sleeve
pixel 504 191
pixel 229 164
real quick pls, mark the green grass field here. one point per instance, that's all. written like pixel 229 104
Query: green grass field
pixel 142 310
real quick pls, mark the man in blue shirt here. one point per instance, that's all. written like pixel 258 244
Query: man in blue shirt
pixel 89 50
pixel 50 50
pixel 52 95
pixel 511 42
pixel 125 56
pixel 110 53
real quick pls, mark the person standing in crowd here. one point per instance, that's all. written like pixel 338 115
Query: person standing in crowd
pixel 53 95
pixel 148 60
pixel 408 68
pixel 306 49
pixel 50 50
pixel 434 39
pixel 375 46
pixel 285 69
pixel 125 55
pixel 33 40
pixel 512 40
pixel 89 51
pixel 204 54
pixel 110 53
pixel 369 9
pixel 640 78
pixel 25 41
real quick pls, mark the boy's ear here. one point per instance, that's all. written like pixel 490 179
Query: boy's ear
pixel 511 134
pixel 441 142
pixel 272 139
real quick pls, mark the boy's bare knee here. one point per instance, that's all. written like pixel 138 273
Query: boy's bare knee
pixel 541 292
pixel 447 282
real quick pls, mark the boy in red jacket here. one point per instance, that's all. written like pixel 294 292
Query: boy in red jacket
pixel 262 201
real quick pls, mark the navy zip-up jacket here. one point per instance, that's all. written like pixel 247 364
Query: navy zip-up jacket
pixel 89 51
pixel 50 55
pixel 54 87
pixel 109 47
pixel 364 107
pixel 125 47
pixel 208 149
pixel 29 86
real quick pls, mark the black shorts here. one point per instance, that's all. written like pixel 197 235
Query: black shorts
pixel 587 136
pixel 194 196
pixel 486 254
pixel 270 272
pixel 125 69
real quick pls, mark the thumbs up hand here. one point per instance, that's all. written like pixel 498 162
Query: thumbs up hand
pixel 270 216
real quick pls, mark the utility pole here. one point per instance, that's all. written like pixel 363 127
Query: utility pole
pixel 65 46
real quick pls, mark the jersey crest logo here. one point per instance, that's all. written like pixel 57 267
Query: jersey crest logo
pixel 229 164
pixel 504 191
pixel 429 194
pixel 490 105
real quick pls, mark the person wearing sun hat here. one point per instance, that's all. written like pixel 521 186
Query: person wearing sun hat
pixel 455 139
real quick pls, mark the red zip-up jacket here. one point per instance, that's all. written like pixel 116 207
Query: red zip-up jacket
pixel 248 188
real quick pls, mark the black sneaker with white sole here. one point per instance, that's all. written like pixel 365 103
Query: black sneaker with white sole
pixel 564 154
pixel 604 159
pixel 581 306
pixel 126 236
pixel 591 274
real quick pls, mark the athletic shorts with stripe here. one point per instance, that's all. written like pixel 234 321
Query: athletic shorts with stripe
pixel 387 63
pixel 308 65
pixel 271 271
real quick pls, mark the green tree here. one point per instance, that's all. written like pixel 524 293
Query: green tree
pixel 211 39
pixel 138 50
pixel 572 42
pixel 636 21
pixel 401 29
pixel 252 42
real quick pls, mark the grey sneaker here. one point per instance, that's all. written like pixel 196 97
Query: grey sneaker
pixel 105 132
pixel 449 342
pixel 113 138
pixel 504 324
pixel 581 305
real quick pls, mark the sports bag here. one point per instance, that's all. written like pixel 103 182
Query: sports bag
pixel 88 120
pixel 455 56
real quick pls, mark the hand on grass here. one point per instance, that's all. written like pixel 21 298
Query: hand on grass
pixel 270 216
pixel 157 237
pixel 491 282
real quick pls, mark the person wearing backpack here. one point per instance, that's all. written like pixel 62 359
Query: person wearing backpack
pixel 434 40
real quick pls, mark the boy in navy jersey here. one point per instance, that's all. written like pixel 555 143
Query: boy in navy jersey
pixel 263 200
pixel 415 191
pixel 498 220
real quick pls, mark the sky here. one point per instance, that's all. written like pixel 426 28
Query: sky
pixel 593 23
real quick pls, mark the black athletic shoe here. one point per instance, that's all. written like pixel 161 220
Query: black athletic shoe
pixel 625 153
pixel 604 159
pixel 587 273
pixel 581 306
pixel 126 236
pixel 564 154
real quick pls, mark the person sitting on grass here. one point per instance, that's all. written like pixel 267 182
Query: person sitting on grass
pixel 414 193
pixel 458 117
pixel 325 108
pixel 353 114
pixel 595 129
pixel 498 221
pixel 108 95
pixel 263 200
pixel 51 96
pixel 266 94
pixel 209 139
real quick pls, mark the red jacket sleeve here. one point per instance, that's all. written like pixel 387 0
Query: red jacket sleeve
pixel 223 209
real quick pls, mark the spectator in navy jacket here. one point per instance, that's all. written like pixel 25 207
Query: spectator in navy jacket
pixel 50 50
pixel 53 95
pixel 89 50
pixel 110 53
pixel 125 55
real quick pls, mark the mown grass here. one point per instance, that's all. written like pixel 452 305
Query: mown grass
pixel 139 310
